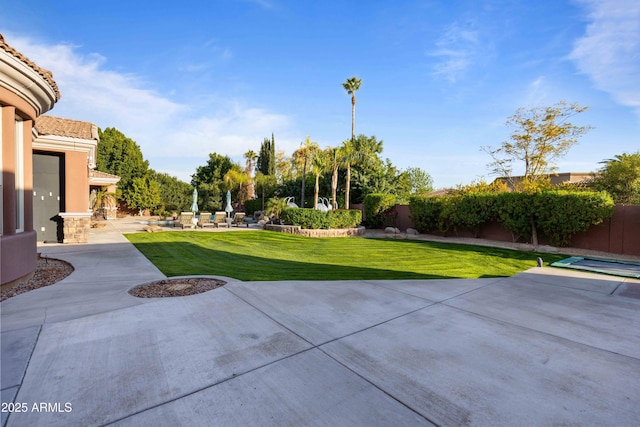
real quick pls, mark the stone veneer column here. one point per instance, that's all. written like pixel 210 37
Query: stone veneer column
pixel 75 227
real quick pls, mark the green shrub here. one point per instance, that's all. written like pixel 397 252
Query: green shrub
pixel 377 209
pixel 515 213
pixel 250 206
pixel 425 212
pixel 561 214
pixel 316 219
pixel 343 218
pixel 471 211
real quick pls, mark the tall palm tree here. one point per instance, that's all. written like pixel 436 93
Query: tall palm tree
pixel 351 86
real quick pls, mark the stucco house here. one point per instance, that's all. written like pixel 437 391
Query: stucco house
pixel 64 179
pixel 26 92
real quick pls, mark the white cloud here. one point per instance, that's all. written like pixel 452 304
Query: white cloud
pixel 609 52
pixel 457 50
pixel 173 136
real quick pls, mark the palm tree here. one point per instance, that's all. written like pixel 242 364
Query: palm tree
pixel 236 176
pixel 250 167
pixel 265 183
pixel 304 155
pixel 351 86
pixel 351 156
pixel 335 159
pixel 319 166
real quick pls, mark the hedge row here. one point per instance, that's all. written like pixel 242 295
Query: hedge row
pixel 316 219
pixel 377 210
pixel 559 214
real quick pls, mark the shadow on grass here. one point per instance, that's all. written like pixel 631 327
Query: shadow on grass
pixel 181 258
pixel 191 257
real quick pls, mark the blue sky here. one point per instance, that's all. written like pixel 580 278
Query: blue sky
pixel 439 78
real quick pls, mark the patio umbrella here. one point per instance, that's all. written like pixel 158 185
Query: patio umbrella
pixel 228 208
pixel 194 205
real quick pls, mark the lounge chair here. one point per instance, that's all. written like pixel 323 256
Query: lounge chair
pixel 186 220
pixel 220 219
pixel 205 220
pixel 238 219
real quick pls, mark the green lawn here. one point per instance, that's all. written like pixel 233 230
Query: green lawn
pixel 262 255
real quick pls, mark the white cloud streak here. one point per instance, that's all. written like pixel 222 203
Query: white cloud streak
pixel 170 134
pixel 457 50
pixel 609 52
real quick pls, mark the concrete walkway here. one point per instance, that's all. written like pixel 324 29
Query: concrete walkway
pixel 544 347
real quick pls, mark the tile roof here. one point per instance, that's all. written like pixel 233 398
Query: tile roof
pixel 50 125
pixel 44 73
pixel 99 174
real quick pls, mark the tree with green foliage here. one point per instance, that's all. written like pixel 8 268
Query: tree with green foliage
pixel 144 194
pixel 119 155
pixel 209 181
pixel 369 170
pixel 620 177
pixel 267 156
pixel 175 195
pixel 541 136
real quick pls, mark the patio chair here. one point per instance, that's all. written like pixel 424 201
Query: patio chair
pixel 205 220
pixel 186 220
pixel 220 219
pixel 238 219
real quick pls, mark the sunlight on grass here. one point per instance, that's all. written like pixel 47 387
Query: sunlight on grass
pixel 262 255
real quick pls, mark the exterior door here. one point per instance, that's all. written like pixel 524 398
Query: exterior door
pixel 48 176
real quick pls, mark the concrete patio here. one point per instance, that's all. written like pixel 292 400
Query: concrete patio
pixel 547 346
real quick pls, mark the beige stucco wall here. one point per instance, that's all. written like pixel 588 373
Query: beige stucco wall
pixel 76 182
pixel 26 91
pixel 17 249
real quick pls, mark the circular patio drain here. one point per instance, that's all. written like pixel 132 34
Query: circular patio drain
pixel 176 287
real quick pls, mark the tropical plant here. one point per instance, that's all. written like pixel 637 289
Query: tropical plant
pixel 303 155
pixel 351 155
pixel 264 185
pixel 335 160
pixel 319 165
pixel 275 206
pixel 620 177
pixel 236 177
pixel 102 198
